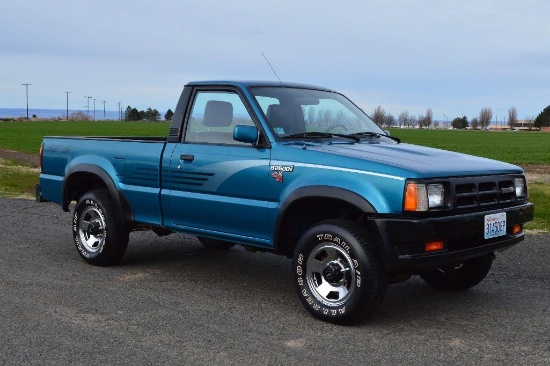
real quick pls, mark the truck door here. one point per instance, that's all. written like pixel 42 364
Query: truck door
pixel 217 186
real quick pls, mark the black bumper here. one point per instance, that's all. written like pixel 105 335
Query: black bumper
pixel 403 240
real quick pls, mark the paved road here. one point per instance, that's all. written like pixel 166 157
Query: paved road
pixel 170 301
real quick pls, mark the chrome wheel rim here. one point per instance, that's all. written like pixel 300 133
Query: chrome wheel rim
pixel 91 229
pixel 330 274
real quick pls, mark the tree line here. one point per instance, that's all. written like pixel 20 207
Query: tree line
pixel 543 119
pixel 388 120
pixel 150 114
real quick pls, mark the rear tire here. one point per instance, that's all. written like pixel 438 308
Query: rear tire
pixel 338 272
pixel 461 276
pixel 215 244
pixel 99 235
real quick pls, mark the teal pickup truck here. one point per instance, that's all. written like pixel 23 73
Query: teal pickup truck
pixel 296 170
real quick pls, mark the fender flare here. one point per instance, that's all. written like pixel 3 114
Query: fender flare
pixel 337 193
pixel 119 198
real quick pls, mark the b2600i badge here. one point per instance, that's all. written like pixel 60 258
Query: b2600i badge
pixel 279 170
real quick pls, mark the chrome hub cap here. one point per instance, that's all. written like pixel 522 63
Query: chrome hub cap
pixel 330 274
pixel 91 229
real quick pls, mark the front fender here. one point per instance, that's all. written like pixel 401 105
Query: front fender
pixel 383 193
pixel 317 192
pixel 327 192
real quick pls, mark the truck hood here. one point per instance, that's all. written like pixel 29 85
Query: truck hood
pixel 424 161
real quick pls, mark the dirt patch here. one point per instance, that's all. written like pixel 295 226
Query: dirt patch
pixel 22 158
pixel 537 173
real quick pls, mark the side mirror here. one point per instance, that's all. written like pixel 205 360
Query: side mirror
pixel 246 134
pixel 387 132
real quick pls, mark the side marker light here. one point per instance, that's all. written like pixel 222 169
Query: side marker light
pixel 434 246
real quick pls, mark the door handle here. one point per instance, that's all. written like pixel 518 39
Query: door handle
pixel 187 157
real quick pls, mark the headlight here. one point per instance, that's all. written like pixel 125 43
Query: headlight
pixel 436 195
pixel 521 189
pixel 422 197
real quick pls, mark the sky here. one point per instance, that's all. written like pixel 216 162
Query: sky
pixel 455 57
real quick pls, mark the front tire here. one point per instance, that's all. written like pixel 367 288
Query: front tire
pixel 461 276
pixel 338 272
pixel 99 235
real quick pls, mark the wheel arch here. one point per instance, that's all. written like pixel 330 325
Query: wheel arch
pixel 83 178
pixel 307 205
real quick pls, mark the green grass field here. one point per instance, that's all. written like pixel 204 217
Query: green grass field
pixel 521 148
pixel 27 136
pixel 17 180
pixel 539 194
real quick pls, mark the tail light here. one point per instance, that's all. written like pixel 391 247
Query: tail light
pixel 40 155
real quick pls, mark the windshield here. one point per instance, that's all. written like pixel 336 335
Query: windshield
pixel 296 112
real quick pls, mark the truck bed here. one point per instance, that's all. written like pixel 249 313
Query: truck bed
pixel 135 161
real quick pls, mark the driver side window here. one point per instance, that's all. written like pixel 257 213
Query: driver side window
pixel 213 117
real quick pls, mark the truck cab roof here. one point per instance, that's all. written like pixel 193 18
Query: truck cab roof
pixel 256 83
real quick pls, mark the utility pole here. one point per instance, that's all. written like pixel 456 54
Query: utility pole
pixel 88 106
pixel 67 92
pixel 119 112
pixel 104 109
pixel 94 108
pixel 27 92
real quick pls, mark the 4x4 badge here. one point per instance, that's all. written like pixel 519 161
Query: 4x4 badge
pixel 279 170
pixel 278 175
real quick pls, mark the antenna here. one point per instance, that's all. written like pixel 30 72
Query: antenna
pixel 272 69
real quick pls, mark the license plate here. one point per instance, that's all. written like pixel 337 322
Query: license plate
pixel 495 225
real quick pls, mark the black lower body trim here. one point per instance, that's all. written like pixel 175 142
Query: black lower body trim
pixel 403 239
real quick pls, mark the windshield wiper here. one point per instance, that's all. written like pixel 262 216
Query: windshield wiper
pixel 375 135
pixel 314 134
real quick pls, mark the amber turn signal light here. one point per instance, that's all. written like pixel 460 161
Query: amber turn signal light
pixel 411 197
pixel 517 229
pixel 434 246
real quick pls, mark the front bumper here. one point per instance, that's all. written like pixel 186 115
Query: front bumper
pixel 403 240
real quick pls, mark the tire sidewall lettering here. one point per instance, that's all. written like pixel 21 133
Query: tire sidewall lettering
pixel 322 238
pixel 301 270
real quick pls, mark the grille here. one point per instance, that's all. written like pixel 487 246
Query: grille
pixel 483 192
